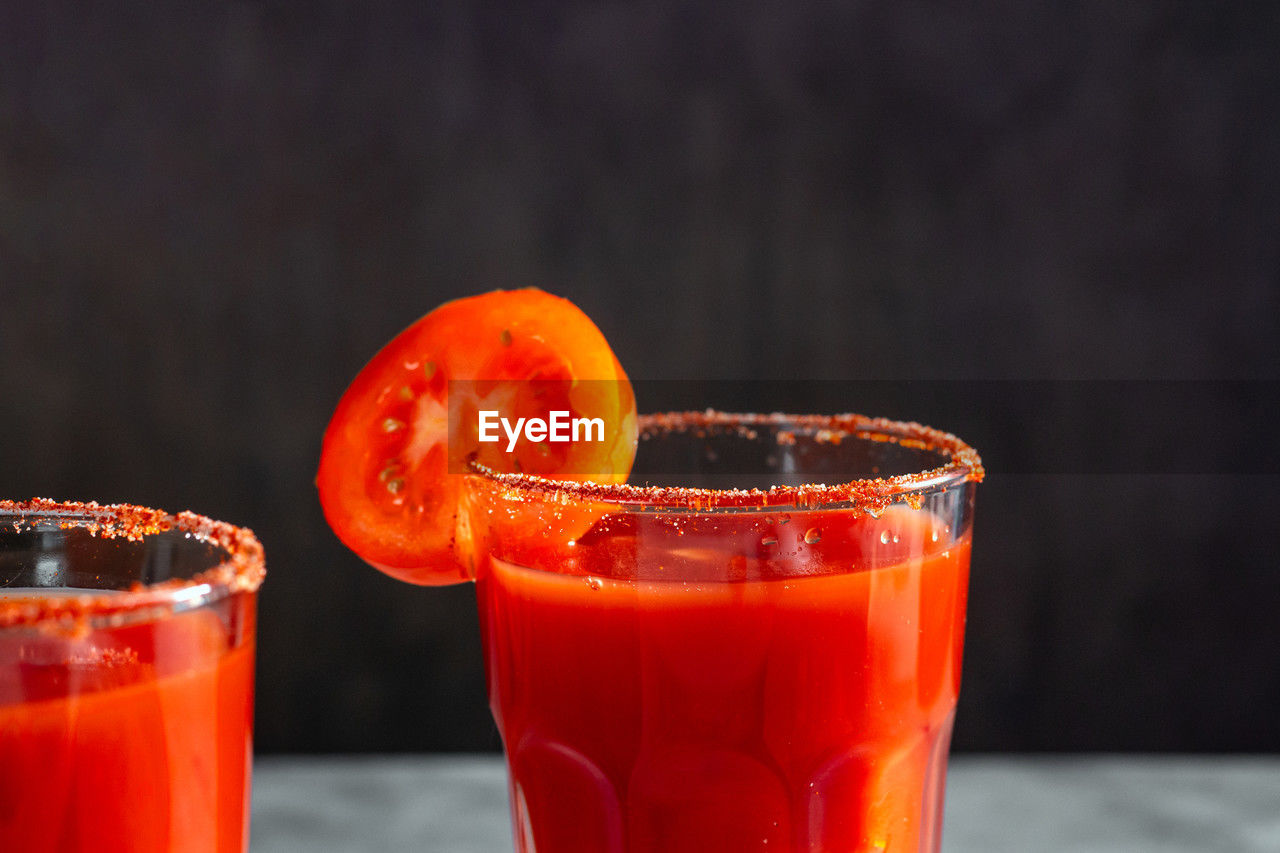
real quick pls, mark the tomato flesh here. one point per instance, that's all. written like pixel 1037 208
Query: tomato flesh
pixel 390 469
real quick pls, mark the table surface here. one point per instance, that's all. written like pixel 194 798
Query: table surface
pixel 1054 804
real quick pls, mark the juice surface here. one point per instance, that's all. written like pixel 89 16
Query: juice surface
pixel 770 712
pixel 132 739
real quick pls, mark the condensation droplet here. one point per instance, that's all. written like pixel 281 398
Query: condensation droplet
pixel 595 583
pixel 769 540
pixel 884 537
pixel 812 536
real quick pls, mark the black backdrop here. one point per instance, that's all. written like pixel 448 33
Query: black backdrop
pixel 212 214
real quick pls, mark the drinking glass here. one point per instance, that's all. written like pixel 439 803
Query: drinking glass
pixel 126 679
pixel 755 646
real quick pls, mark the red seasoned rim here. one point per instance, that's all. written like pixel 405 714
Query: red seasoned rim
pixel 963 465
pixel 241 570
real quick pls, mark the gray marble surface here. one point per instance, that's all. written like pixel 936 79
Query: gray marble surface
pixel 1054 804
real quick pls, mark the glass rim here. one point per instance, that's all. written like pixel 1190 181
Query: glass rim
pixel 241 569
pixel 963 465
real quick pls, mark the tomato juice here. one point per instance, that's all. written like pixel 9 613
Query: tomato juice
pixel 781 680
pixel 744 659
pixel 126 717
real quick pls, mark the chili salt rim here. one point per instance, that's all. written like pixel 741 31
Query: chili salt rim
pixel 964 465
pixel 241 570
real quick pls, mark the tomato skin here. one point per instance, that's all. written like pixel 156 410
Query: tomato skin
pixel 384 479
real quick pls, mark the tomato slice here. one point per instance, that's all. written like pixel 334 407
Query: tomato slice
pixel 386 482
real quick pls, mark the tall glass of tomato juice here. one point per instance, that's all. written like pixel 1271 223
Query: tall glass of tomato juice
pixel 730 657
pixel 126 679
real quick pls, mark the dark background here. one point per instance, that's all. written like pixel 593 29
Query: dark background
pixel 212 215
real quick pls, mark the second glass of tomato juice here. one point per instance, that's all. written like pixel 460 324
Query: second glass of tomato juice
pixel 703 665
pixel 126 679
